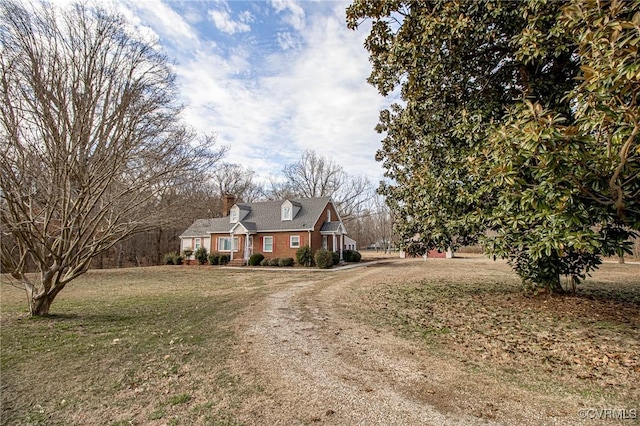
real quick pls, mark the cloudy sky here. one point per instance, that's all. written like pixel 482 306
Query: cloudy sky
pixel 271 78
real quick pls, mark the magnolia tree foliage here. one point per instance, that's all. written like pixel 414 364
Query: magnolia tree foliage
pixel 519 117
pixel 90 141
pixel 568 182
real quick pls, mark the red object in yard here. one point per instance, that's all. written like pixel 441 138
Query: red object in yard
pixel 435 253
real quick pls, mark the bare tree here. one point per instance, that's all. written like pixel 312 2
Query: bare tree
pixel 90 141
pixel 373 226
pixel 316 176
pixel 383 224
pixel 234 179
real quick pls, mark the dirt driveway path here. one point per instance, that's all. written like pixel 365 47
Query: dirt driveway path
pixel 319 365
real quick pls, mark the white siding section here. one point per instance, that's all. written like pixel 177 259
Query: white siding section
pixel 185 243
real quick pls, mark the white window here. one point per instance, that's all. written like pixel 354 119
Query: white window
pixel 224 244
pixel 294 241
pixel 267 244
pixel 286 213
pixel 324 242
pixel 234 215
pixel 197 244
pixel 328 215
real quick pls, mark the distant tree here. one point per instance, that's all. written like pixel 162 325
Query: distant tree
pixel 373 226
pixel 234 179
pixel 90 141
pixel 316 176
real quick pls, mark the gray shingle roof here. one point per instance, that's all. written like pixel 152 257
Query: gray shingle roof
pixel 330 226
pixel 201 227
pixel 264 216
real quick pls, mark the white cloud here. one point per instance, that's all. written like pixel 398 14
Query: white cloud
pixel 222 20
pixel 311 93
pixel 166 21
pixel 329 105
pixel 246 17
pixel 316 97
pixel 294 13
pixel 286 41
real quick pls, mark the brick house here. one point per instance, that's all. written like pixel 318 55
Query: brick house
pixel 273 228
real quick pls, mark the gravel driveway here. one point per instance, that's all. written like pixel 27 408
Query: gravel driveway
pixel 319 365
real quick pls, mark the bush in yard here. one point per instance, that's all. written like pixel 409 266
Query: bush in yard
pixel 335 256
pixel 170 258
pixel 324 259
pixel 265 262
pixel 351 256
pixel 286 261
pixel 187 253
pixel 256 259
pixel 304 256
pixel 274 262
pixel 223 259
pixel 214 258
pixel 201 255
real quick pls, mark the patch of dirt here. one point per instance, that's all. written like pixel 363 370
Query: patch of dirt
pixel 370 346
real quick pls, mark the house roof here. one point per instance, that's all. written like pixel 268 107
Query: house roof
pixel 264 217
pixel 330 226
pixel 201 227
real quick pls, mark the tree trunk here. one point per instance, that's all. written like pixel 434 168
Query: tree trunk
pixel 159 252
pixel 554 285
pixel 621 259
pixel 40 307
pixel 40 300
pixel 119 261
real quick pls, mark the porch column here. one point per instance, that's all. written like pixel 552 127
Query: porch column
pixel 231 256
pixel 341 245
pixel 333 242
pixel 247 249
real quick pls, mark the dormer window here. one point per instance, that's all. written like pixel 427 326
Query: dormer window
pixel 238 212
pixel 286 211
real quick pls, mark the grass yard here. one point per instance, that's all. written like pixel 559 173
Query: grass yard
pixel 131 346
pixel 475 311
pixel 163 345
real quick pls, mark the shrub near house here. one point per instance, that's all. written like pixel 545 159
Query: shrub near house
pixel 351 256
pixel 255 259
pixel 324 259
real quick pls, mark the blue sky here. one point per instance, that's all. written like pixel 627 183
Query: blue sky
pixel 271 78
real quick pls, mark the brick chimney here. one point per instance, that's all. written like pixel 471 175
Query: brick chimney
pixel 228 200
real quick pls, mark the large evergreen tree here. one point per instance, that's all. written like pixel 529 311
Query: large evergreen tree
pixel 475 79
